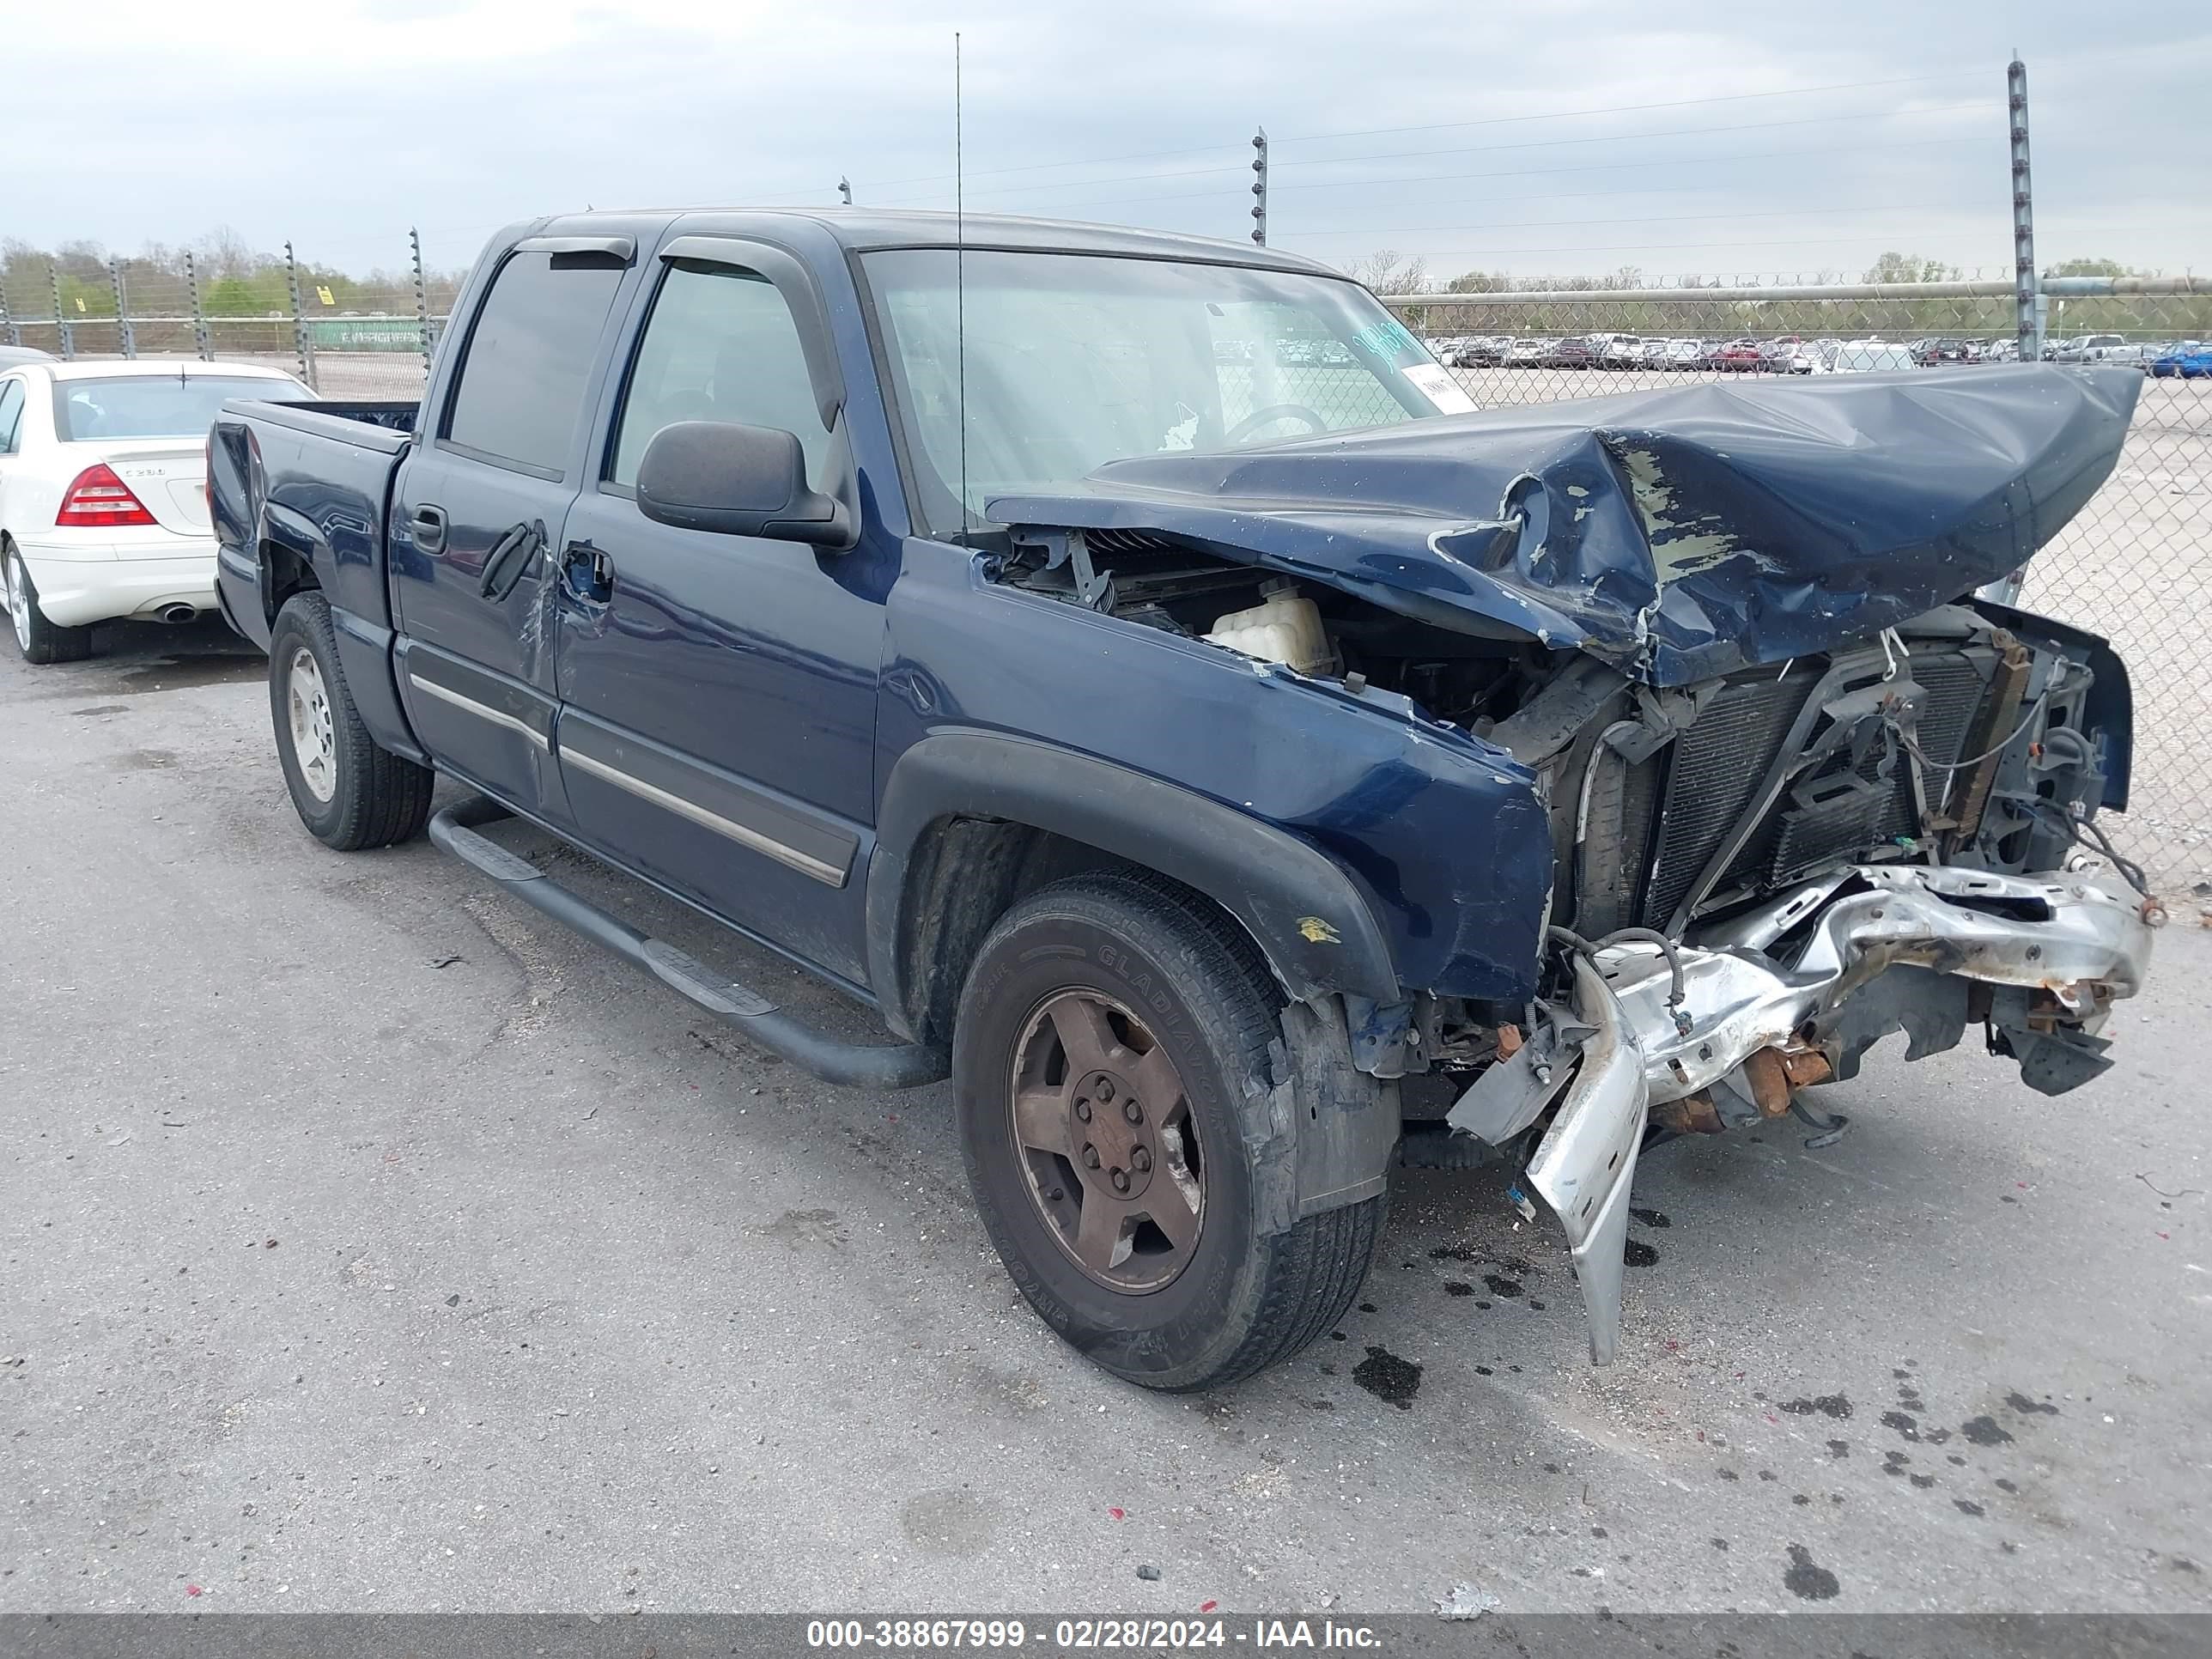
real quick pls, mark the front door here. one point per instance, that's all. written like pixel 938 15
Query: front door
pixel 477 514
pixel 717 728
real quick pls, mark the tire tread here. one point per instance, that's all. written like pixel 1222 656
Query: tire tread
pixel 385 798
pixel 50 641
pixel 1308 1274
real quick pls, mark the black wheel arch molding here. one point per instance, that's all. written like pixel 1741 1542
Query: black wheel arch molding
pixel 1302 910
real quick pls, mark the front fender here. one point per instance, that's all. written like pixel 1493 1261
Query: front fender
pixel 1304 808
pixel 1315 929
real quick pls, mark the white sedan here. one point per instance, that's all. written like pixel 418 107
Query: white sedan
pixel 103 492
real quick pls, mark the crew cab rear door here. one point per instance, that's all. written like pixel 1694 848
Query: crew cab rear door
pixel 479 508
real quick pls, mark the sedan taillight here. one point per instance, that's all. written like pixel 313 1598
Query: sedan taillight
pixel 99 499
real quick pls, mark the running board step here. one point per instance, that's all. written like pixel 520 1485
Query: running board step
pixel 904 1066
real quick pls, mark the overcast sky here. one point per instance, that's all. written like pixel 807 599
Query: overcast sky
pixel 1537 136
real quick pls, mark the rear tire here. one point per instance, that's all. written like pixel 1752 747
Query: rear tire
pixel 41 641
pixel 1146 1003
pixel 350 793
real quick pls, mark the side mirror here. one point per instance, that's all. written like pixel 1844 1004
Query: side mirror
pixel 737 481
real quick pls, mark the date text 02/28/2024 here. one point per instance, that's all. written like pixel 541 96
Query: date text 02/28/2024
pixel 1084 1635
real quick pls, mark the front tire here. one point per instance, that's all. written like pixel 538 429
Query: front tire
pixel 1113 1083
pixel 350 793
pixel 41 641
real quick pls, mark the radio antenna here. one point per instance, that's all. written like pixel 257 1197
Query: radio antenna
pixel 960 274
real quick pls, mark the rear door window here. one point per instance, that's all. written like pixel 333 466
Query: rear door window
pixel 529 359
pixel 11 414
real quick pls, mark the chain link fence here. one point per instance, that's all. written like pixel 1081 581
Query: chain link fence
pixel 366 339
pixel 2136 565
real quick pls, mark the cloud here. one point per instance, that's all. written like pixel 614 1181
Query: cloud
pixel 1507 137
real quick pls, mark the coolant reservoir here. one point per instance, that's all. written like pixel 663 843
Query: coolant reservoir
pixel 1287 628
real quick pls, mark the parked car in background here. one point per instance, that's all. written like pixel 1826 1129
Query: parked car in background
pixel 2006 351
pixel 1947 349
pixel 1485 353
pixel 1739 357
pixel 2128 355
pixel 2083 348
pixel 2192 360
pixel 1775 355
pixel 1621 351
pixel 10 355
pixel 103 493
pixel 1526 353
pixel 1863 357
pixel 1573 352
pixel 1795 359
pixel 1684 355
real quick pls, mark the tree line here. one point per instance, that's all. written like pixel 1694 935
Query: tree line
pixel 234 279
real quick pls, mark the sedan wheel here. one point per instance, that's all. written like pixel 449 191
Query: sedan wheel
pixel 18 604
pixel 39 639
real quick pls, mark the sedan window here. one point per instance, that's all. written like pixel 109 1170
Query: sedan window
pixel 156 406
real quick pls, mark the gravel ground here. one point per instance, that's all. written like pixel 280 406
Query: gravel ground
pixel 368 1242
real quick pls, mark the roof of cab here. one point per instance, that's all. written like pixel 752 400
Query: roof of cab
pixel 862 228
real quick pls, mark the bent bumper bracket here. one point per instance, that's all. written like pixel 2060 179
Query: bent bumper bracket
pixel 2060 937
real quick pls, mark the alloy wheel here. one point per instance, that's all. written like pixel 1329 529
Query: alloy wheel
pixel 19 601
pixel 1102 1126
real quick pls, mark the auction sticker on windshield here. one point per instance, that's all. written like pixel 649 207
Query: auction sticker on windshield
pixel 1440 389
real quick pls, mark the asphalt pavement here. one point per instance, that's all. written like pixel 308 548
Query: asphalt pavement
pixel 369 1243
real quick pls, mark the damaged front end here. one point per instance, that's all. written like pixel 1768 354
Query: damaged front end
pixel 1709 1036
pixel 1801 790
pixel 1761 877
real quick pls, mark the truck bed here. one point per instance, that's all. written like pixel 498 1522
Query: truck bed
pixel 392 423
pixel 320 492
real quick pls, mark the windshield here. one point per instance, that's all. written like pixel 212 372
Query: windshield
pixel 163 406
pixel 1074 360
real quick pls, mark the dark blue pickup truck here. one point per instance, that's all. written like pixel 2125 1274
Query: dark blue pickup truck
pixel 1130 665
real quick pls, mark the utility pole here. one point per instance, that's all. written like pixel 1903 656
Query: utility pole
pixel 845 190
pixel 202 341
pixel 127 341
pixel 68 341
pixel 2027 284
pixel 1260 186
pixel 298 324
pixel 422 302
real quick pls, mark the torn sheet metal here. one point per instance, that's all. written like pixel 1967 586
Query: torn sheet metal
pixel 1676 534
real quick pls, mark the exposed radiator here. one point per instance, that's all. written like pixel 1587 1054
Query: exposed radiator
pixel 1841 810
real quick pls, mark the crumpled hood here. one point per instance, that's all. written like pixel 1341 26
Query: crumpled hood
pixel 1677 534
